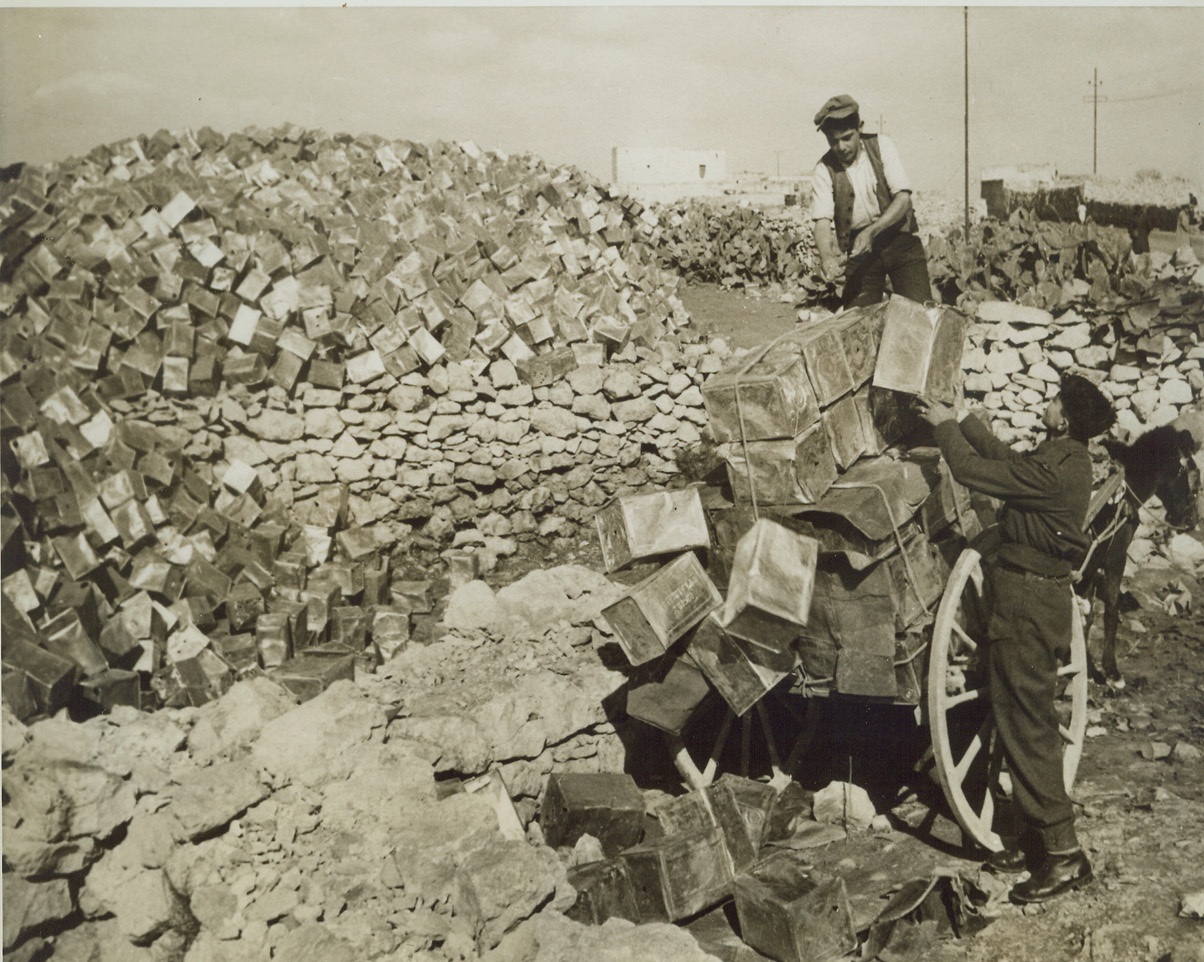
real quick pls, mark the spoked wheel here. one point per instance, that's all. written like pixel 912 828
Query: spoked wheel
pixel 959 710
pixel 769 740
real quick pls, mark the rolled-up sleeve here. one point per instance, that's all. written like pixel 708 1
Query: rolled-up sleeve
pixel 892 166
pixel 823 207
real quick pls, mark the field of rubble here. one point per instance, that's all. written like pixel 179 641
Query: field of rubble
pixel 312 647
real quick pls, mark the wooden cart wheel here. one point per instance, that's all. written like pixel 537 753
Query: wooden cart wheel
pixel 701 757
pixel 958 706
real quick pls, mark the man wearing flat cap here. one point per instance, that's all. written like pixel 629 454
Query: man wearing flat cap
pixel 1045 495
pixel 861 209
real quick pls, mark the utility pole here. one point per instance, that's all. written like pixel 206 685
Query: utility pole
pixel 778 157
pixel 1095 85
pixel 966 117
pixel 881 125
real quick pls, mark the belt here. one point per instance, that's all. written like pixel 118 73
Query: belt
pixel 1028 572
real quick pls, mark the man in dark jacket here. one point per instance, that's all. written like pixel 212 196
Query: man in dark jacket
pixel 1045 495
pixel 1139 230
pixel 861 207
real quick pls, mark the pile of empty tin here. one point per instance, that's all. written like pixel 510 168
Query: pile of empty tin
pixel 843 522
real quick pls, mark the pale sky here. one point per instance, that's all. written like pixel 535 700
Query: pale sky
pixel 570 83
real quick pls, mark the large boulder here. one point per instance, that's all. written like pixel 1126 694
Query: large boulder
pixel 505 882
pixel 29 906
pixel 234 720
pixel 314 743
pixel 210 797
pixel 550 937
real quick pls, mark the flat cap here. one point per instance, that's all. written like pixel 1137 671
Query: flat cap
pixel 837 108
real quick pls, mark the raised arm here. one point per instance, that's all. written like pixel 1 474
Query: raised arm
pixel 984 442
pixel 1025 481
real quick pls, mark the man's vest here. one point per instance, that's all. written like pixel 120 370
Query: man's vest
pixel 842 193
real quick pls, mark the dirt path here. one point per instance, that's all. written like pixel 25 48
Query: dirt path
pixel 744 320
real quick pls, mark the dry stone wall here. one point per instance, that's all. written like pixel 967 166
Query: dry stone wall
pixel 1146 357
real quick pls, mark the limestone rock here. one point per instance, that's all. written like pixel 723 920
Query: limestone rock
pixel 323 423
pixel 504 882
pixel 1044 371
pixel 634 411
pixel 1144 403
pixel 571 593
pixel 977 383
pixel 61 802
pixel 586 380
pixel 554 421
pixel 209 798
pixel 312 942
pixel 1093 356
pixel 1004 361
pixel 1176 392
pixel 29 905
pixel 233 721
pixel 1186 552
pixel 472 605
pixel 386 783
pixel 313 743
pixel 550 937
pixel 435 841
pixel 276 426
pixel 592 406
pixel 1071 338
pixel 236 447
pixel 14 734
pixel 843 803
pixel 1009 313
pixel 620 384
pixel 503 374
pixel 103 941
pixel 141 899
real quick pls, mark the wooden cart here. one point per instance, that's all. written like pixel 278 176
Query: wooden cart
pixel 954 704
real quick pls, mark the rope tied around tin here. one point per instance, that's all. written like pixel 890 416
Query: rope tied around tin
pixel 753 358
pixel 912 580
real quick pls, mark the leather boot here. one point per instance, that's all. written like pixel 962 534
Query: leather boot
pixel 1059 873
pixel 1009 860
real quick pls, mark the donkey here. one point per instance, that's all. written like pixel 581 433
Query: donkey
pixel 1158 463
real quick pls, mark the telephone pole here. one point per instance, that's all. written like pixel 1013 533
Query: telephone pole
pixel 966 117
pixel 1095 85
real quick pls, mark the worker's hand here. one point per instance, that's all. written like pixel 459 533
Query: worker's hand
pixel 830 268
pixel 934 412
pixel 863 243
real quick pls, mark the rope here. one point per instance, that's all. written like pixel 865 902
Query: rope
pixel 947 475
pixel 752 488
pixel 753 358
pixel 912 579
pixel 912 657
pixel 1162 522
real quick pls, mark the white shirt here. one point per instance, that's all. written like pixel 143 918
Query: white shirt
pixel 865 184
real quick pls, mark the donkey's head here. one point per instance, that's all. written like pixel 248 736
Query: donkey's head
pixel 1161 463
pixel 1178 487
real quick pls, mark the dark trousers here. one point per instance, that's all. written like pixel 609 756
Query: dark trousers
pixel 1029 628
pixel 897 255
